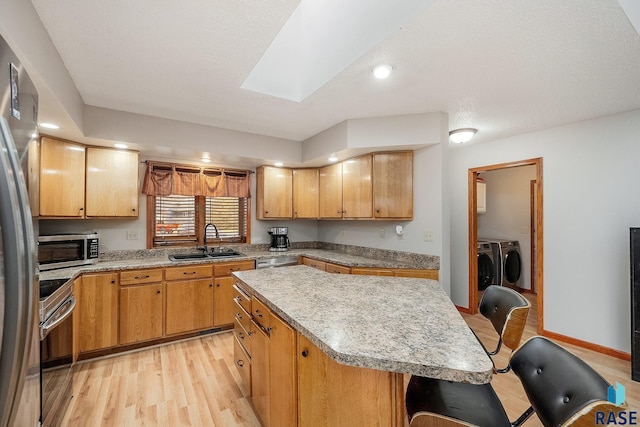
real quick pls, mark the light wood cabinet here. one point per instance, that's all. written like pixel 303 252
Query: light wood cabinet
pixel 337 269
pixel 311 262
pixel 283 374
pixel 331 191
pixel 274 192
pixel 243 364
pixel 141 313
pixel 189 305
pixel 260 373
pixel 223 307
pixel 417 273
pixel 98 311
pixel 306 201
pixel 357 193
pixel 112 183
pixel 62 178
pixel 371 271
pixel 393 185
pixel 331 394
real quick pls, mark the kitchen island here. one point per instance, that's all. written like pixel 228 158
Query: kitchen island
pixel 368 328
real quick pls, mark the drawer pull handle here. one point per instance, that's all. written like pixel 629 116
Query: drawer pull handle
pixel 240 362
pixel 142 277
pixel 258 313
pixel 241 335
pixel 239 316
pixel 189 272
pixel 305 353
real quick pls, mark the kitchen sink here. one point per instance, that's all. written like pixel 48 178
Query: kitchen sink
pixel 220 253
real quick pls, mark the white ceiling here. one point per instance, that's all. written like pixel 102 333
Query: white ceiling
pixel 505 67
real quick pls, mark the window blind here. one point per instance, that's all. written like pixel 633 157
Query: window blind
pixel 175 219
pixel 229 214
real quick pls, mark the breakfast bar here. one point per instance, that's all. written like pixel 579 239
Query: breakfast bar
pixel 385 326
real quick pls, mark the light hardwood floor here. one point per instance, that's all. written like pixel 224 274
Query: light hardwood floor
pixel 195 383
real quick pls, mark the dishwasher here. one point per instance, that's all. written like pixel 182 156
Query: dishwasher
pixel 277 261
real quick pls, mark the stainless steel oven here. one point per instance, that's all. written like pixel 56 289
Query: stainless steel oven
pixel 56 348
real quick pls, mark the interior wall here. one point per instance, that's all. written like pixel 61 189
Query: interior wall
pixel 590 190
pixel 508 215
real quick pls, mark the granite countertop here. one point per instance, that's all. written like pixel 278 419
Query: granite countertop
pixel 388 323
pixel 134 259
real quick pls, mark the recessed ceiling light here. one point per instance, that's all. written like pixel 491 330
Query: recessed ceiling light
pixel 460 136
pixel 49 125
pixel 278 164
pixel 332 159
pixel 119 145
pixel 382 71
pixel 206 159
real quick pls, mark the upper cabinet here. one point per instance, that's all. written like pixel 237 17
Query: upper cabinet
pixel 112 183
pixel 274 187
pixel 80 182
pixel 373 186
pixel 62 180
pixel 306 201
pixel 393 185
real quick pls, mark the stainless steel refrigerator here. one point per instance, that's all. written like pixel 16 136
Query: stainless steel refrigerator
pixel 19 338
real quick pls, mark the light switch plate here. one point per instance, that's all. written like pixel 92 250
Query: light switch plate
pixel 132 234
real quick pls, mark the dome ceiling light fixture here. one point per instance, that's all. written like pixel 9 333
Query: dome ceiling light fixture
pixel 460 136
pixel 382 71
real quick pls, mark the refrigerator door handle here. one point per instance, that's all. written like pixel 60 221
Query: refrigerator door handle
pixel 18 278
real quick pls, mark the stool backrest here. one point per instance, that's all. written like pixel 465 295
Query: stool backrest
pixel 507 310
pixel 561 387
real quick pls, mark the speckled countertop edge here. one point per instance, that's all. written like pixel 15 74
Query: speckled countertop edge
pixel 158 258
pixel 385 323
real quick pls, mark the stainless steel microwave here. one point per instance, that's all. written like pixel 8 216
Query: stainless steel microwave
pixel 67 250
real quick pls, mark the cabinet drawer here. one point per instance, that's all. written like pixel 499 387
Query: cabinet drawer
pixel 260 314
pixel 226 268
pixel 417 273
pixel 188 272
pixel 242 335
pixel 242 299
pixel 370 271
pixel 320 265
pixel 242 317
pixel 134 277
pixel 337 269
pixel 243 364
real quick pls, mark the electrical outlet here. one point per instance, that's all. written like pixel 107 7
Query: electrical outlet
pixel 381 232
pixel 132 234
pixel 428 236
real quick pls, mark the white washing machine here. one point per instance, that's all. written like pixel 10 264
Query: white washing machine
pixel 488 266
pixel 511 263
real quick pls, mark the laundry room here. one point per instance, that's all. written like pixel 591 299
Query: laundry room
pixel 507 224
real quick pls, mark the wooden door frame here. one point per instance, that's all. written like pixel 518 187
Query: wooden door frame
pixel 473 233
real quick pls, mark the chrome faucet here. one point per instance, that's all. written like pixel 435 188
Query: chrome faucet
pixel 205 235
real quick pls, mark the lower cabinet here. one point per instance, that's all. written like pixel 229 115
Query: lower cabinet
pixel 331 394
pixel 223 310
pixel 189 305
pixel 260 373
pixel 98 312
pixel 141 313
pixel 282 373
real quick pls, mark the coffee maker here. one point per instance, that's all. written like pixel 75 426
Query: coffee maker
pixel 279 239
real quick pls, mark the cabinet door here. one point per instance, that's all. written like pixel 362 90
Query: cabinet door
pixel 337 269
pixel 112 183
pixel 98 310
pixel 357 191
pixel 481 197
pixel 62 178
pixel 331 191
pixel 140 313
pixel 260 373
pixel 306 193
pixel 330 394
pixel 393 185
pixel 223 305
pixel 320 265
pixel 274 188
pixel 282 373
pixel 189 305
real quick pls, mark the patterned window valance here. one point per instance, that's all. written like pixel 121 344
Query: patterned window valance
pixel 162 179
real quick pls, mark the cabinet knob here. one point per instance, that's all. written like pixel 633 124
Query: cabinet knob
pixel 378 210
pixel 133 209
pixel 211 285
pixel 113 281
pixel 158 292
pixel 304 353
pixel 339 212
pixel 240 362
pixel 217 285
pixel 266 212
pixel 81 209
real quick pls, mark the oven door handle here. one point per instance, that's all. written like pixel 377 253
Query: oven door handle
pixel 58 316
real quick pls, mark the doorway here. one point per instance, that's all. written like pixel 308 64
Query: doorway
pixel 536 233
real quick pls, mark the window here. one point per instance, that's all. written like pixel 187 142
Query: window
pixel 180 220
